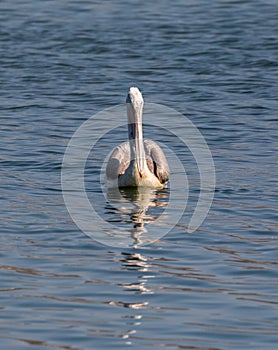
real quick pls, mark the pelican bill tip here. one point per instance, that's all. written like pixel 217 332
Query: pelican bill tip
pixel 134 95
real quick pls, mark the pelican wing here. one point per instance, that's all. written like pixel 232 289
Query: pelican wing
pixel 118 161
pixel 156 161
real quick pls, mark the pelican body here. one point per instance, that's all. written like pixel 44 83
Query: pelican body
pixel 137 163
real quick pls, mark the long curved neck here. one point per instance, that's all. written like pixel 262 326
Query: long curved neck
pixel 136 142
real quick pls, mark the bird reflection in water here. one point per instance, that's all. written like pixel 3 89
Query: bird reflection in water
pixel 135 208
pixel 137 263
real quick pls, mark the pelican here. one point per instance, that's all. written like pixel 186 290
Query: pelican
pixel 137 163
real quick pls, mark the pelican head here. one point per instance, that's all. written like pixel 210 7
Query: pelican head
pixel 135 104
pixel 135 98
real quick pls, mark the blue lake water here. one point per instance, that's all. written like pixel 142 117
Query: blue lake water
pixel 215 62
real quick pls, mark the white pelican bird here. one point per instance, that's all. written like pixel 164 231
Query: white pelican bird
pixel 137 163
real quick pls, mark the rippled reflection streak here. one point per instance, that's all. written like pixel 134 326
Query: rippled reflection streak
pixel 135 262
pixel 147 205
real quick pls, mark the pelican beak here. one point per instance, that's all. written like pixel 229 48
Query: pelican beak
pixel 134 111
pixel 139 150
pixel 137 141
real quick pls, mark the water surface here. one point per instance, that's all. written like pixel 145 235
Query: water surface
pixel 215 62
